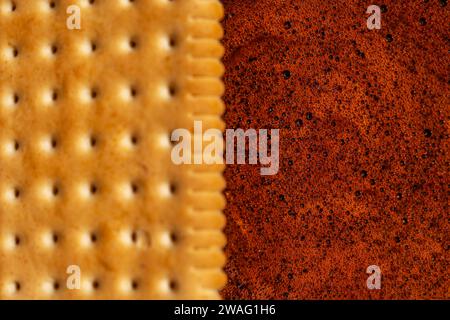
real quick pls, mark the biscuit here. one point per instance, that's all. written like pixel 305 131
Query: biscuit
pixel 86 181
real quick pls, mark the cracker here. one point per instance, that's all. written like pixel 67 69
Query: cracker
pixel 86 177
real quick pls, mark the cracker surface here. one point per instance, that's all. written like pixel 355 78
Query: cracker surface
pixel 86 178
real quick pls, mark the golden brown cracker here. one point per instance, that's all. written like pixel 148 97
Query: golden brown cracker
pixel 86 177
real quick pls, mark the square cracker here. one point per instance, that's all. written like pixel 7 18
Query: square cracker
pixel 86 177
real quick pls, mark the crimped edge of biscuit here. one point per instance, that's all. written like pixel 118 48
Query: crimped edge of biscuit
pixel 205 88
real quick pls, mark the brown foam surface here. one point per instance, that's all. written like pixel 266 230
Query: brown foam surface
pixel 364 152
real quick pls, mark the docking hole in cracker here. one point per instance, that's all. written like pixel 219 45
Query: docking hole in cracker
pixel 91 205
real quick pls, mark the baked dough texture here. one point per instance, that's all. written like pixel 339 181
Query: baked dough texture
pixel 87 185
